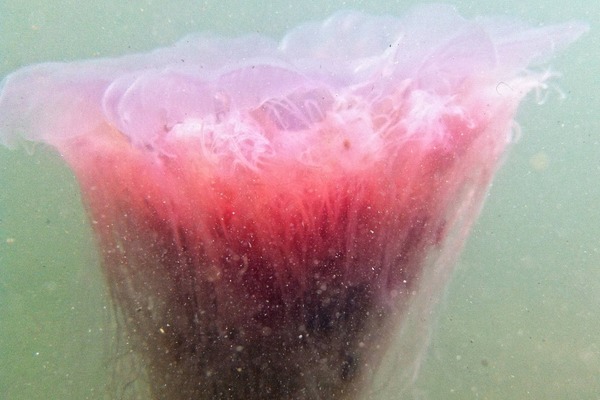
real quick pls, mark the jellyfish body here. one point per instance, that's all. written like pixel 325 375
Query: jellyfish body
pixel 269 213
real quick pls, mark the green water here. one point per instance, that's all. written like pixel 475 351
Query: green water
pixel 520 319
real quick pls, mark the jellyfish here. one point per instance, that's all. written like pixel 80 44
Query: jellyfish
pixel 276 218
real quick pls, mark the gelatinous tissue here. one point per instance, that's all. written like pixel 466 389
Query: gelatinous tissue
pixel 274 218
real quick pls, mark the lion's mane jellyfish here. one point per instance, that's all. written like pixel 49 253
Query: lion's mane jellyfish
pixel 271 216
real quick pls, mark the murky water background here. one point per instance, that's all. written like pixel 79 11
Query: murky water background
pixel 520 318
